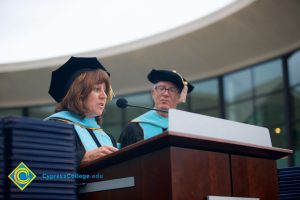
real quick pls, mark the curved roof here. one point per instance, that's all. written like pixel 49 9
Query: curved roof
pixel 238 36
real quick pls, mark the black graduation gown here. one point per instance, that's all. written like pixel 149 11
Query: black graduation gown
pixel 132 133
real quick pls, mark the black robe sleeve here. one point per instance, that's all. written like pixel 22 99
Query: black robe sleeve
pixel 132 133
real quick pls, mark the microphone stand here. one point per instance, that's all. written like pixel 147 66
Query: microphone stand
pixel 159 110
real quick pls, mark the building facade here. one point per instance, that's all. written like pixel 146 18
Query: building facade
pixel 265 94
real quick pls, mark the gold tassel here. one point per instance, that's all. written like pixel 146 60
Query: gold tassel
pixel 184 92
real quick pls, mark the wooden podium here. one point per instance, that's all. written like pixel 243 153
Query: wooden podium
pixel 180 166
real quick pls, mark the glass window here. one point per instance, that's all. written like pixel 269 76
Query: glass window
pixel 294 68
pixel 237 86
pixel 11 112
pixel 282 163
pixel 268 77
pixel 279 139
pixel 183 106
pixel 241 112
pixel 205 95
pixel 278 136
pixel 41 112
pixel 141 99
pixel 113 129
pixel 269 110
pixel 112 119
pixel 144 99
pixel 112 114
pixel 211 112
pixel 295 93
pixel 297 145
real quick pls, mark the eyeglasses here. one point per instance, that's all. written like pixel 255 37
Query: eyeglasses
pixel 161 89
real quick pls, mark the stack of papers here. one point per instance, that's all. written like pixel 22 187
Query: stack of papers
pixel 2 167
pixel 47 148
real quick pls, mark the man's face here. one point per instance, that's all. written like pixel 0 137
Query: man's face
pixel 165 95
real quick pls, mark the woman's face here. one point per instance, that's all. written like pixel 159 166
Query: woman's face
pixel 96 100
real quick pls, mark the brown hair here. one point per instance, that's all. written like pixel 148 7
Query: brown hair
pixel 81 87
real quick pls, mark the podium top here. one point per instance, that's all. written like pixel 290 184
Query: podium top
pixel 202 125
pixel 174 139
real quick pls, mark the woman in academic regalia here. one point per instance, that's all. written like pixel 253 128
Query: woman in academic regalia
pixel 81 88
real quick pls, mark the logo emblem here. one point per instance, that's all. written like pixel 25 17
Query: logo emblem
pixel 22 176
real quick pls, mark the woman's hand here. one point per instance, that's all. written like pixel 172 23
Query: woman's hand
pixel 97 153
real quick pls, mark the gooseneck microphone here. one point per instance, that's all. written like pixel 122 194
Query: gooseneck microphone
pixel 123 103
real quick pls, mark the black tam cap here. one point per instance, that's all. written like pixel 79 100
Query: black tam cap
pixel 171 76
pixel 63 77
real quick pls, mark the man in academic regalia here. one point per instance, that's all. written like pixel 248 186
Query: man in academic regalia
pixel 170 89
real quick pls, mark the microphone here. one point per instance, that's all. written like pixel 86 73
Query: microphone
pixel 123 103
